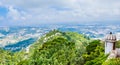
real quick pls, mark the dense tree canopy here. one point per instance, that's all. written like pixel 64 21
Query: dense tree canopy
pixel 59 48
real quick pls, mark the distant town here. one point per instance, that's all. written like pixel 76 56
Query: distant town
pixel 13 35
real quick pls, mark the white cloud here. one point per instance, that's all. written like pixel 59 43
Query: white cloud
pixel 13 14
pixel 1 18
pixel 0 4
pixel 62 10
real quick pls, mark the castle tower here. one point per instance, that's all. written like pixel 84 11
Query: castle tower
pixel 110 41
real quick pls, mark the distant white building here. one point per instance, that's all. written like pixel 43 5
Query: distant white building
pixel 110 42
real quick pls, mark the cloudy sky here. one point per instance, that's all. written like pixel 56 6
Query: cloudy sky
pixel 33 12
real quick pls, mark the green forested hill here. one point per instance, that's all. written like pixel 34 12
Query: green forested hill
pixel 58 48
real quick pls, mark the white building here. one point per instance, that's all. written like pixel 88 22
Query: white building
pixel 110 42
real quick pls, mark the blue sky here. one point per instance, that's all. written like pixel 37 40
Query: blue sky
pixel 35 12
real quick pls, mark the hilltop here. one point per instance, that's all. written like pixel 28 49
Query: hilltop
pixel 58 48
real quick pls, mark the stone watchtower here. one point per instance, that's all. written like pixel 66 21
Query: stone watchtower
pixel 110 42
